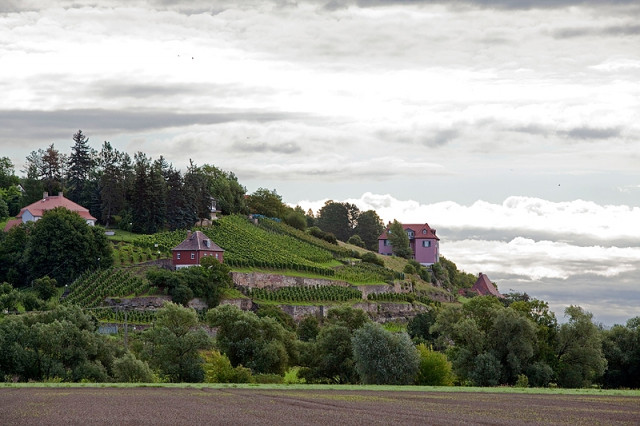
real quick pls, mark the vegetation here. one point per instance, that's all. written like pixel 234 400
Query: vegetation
pixel 91 288
pixel 330 293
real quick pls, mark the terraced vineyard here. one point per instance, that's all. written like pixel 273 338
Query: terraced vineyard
pixel 366 273
pixel 118 316
pixel 328 293
pixel 92 287
pixel 401 297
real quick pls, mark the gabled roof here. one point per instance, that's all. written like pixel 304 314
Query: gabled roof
pixel 198 241
pixel 484 287
pixel 50 202
pixel 417 229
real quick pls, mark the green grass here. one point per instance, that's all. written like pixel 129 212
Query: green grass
pixel 501 389
pixel 120 235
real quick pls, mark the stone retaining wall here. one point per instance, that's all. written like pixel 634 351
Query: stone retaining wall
pixel 274 281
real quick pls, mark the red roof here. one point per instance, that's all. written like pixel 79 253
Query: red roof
pixel 198 241
pixel 484 287
pixel 421 231
pixel 50 202
pixel 11 224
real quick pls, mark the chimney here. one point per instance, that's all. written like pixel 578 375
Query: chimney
pixel 60 194
pixel 188 234
pixel 45 195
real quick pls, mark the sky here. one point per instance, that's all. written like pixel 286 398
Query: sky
pixel 510 126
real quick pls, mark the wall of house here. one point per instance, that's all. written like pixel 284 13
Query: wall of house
pixel 382 249
pixel 186 260
pixel 427 255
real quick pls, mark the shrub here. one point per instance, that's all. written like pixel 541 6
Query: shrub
pixel 128 369
pixel 218 369
pixel 540 374
pixel 291 377
pixel 522 382
pixel 434 369
pixel 356 241
pixel 370 257
pixel 45 287
pixel 268 378
pixel 486 370
pixel 409 269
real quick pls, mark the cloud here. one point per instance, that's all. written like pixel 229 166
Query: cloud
pixel 631 29
pixel 261 147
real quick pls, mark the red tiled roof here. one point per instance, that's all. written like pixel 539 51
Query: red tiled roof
pixel 198 241
pixel 50 202
pixel 11 224
pixel 417 229
pixel 484 286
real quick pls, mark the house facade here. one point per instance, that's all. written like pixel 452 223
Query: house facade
pixel 423 241
pixel 194 248
pixel 33 212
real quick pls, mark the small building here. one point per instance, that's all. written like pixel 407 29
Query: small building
pixel 195 247
pixel 33 212
pixel 484 287
pixel 423 241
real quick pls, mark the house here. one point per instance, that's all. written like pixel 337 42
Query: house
pixel 424 243
pixel 484 287
pixel 33 212
pixel 195 247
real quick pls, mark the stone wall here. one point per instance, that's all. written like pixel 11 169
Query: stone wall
pixel 138 303
pixel 274 281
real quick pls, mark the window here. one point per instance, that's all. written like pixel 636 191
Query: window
pixel 426 243
pixel 424 232
pixel 178 255
pixel 410 233
pixel 387 243
pixel 193 255
pixel 216 255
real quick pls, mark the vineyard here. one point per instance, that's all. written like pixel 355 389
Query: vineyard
pixel 281 228
pixel 366 273
pixel 118 316
pixel 401 297
pixel 328 293
pixel 91 288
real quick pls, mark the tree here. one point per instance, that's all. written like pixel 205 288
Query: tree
pixel 113 181
pixel 333 356
pixel 347 316
pixel 579 350
pixel 81 164
pixel 267 203
pixel 621 348
pixel 434 369
pixel 13 266
pixel 513 342
pixel 129 369
pixel 225 188
pixel 308 328
pixel 261 344
pixel 356 240
pixel 334 218
pixel 419 327
pixel 369 228
pixel 45 287
pixel 7 174
pixel 172 346
pixel 62 246
pixel 399 240
pixel 382 357
pixel 296 219
pixel 53 169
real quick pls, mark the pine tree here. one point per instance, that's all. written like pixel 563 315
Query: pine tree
pixel 81 164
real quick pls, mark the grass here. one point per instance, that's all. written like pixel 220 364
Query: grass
pixel 451 389
pixel 120 235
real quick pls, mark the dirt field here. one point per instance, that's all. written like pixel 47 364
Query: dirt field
pixel 191 406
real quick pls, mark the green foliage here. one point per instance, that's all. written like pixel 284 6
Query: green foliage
pixel 356 240
pixel 372 258
pixel 129 369
pixel 335 218
pixel 9 297
pixel 621 348
pixel 296 220
pixel 267 203
pixel 539 374
pixel 419 327
pixel 581 360
pixel 332 356
pixel 172 346
pixel 486 371
pixel 348 317
pixel 434 369
pixel 62 246
pixel 261 344
pixel 402 297
pixel 369 228
pixel 218 369
pixel 45 287
pixel 308 328
pixel 316 232
pixel 313 236
pixel 409 269
pixel 522 382
pixel 277 314
pixel 399 240
pixel 366 273
pixel 291 377
pixel 382 357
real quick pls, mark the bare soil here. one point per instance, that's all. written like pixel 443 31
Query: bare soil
pixel 192 406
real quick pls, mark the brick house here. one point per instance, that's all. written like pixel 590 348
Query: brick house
pixel 33 212
pixel 195 247
pixel 423 241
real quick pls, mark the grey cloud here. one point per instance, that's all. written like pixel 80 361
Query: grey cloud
pixel 284 148
pixel 498 4
pixel 630 29
pixel 18 125
pixel 587 133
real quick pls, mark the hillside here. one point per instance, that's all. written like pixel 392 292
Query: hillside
pixel 265 248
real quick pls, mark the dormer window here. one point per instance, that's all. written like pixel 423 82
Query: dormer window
pixel 424 232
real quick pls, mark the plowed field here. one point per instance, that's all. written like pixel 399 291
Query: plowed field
pixel 192 406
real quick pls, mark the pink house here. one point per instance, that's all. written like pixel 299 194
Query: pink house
pixel 424 243
pixel 33 212
pixel 193 249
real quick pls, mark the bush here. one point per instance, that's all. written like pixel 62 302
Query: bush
pixel 128 369
pixel 434 369
pixel 218 369
pixel 409 269
pixel 45 287
pixel 308 328
pixel 296 220
pixel 486 370
pixel 370 257
pixel 291 377
pixel 382 357
pixel 540 374
pixel 522 382
pixel 268 378
pixel 356 241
